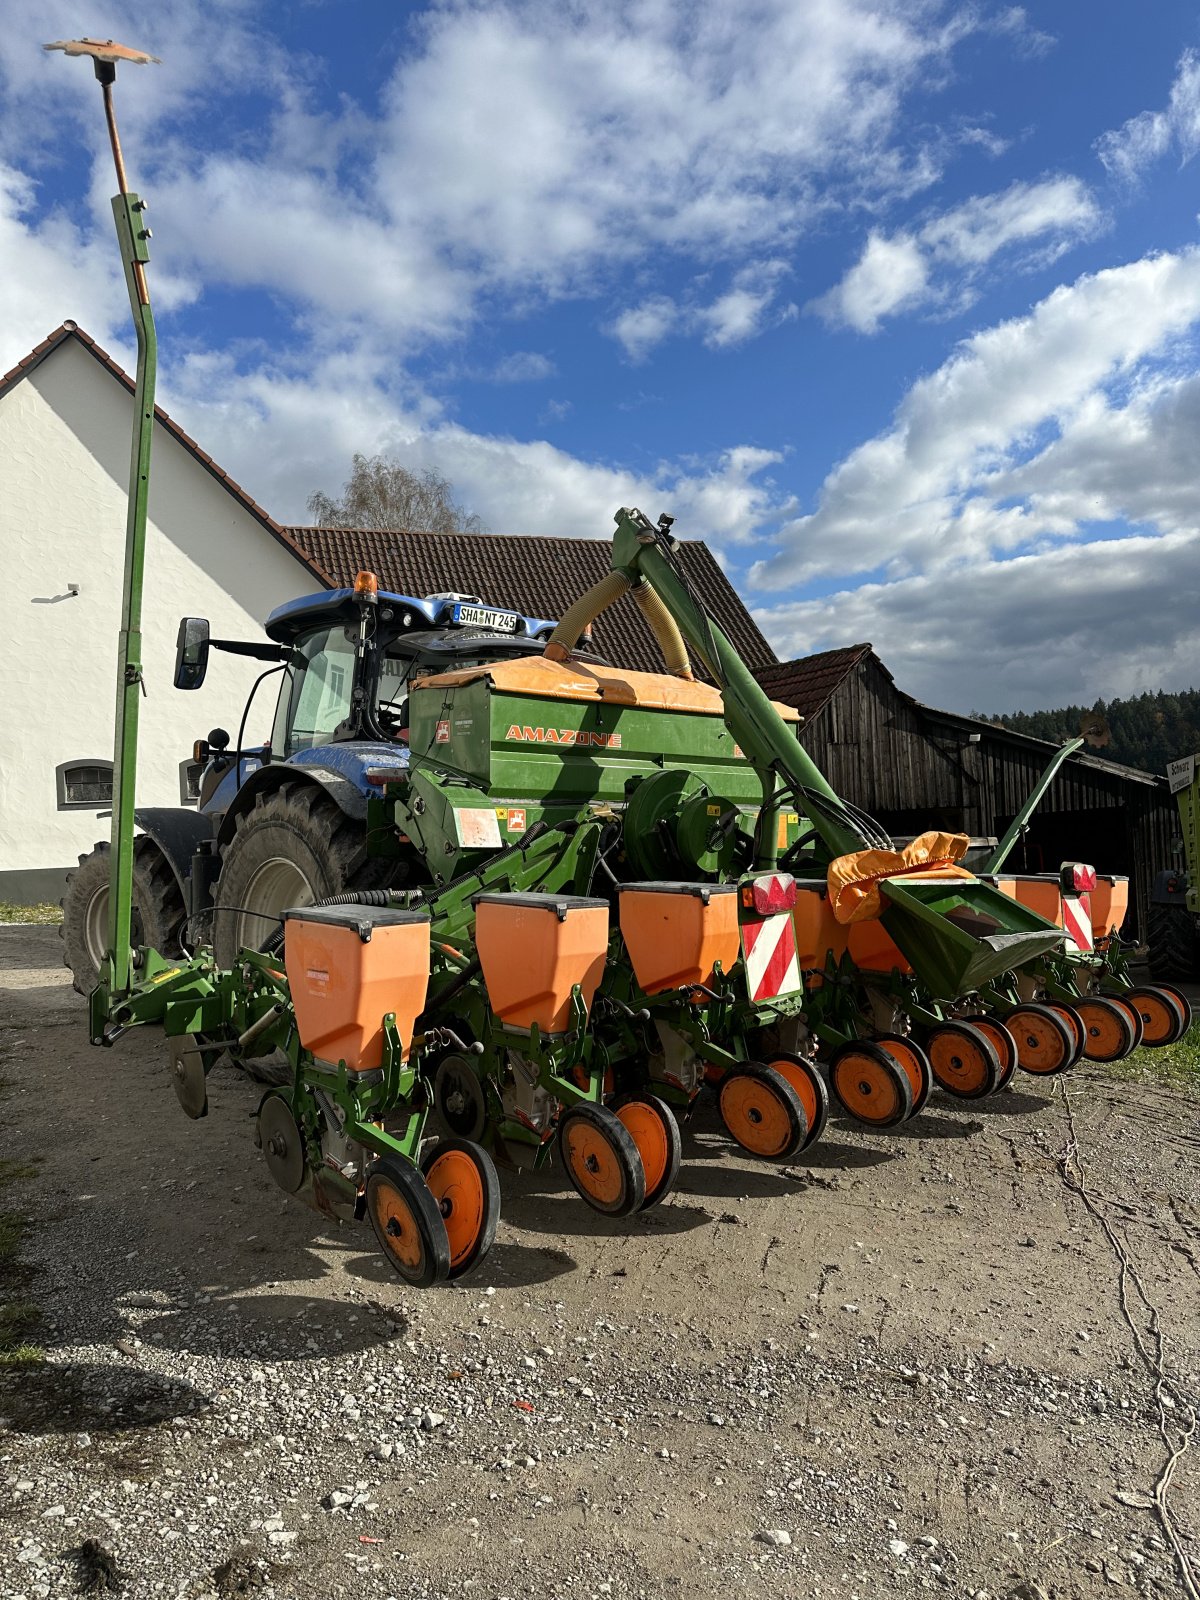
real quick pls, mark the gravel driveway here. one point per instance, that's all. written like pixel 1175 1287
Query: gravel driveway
pixel 900 1366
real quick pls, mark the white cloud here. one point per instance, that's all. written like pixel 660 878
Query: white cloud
pixel 943 259
pixel 1127 151
pixel 889 275
pixel 522 366
pixel 1039 630
pixel 643 326
pixel 931 490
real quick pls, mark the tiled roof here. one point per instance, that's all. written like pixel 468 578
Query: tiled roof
pixel 531 574
pixel 71 330
pixel 810 683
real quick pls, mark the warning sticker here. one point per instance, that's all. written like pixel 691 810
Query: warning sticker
pixel 516 820
pixel 442 736
pixel 478 828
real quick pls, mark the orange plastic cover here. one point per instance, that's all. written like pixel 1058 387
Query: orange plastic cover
pixel 1110 903
pixel 675 933
pixel 853 880
pixel 342 987
pixel 818 932
pixel 532 957
pixel 572 680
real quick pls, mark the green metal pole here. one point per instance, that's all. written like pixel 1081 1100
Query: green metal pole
pixel 1017 826
pixel 128 213
pixel 770 745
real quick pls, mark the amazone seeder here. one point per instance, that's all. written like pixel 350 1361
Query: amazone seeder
pixel 595 883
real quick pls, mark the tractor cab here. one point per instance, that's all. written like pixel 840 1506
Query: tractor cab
pixel 346 660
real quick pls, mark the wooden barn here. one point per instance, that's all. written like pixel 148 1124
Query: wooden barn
pixel 913 767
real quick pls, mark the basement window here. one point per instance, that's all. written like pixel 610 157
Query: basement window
pixel 84 785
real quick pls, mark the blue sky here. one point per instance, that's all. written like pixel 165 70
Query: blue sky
pixel 895 305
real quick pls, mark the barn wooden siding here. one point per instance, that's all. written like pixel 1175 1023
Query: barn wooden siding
pixel 915 768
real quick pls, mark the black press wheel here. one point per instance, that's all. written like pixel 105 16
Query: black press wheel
pixel 652 1124
pixel 601 1159
pixel 908 1053
pixel 1045 1040
pixel 964 1061
pixel 462 1180
pixel 407 1222
pixel 1111 1035
pixel 870 1084
pixel 806 1079
pixel 1163 1014
pixel 762 1112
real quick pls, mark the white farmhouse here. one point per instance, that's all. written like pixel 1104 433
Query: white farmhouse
pixel 66 416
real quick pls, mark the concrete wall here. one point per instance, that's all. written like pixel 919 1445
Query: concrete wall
pixel 64 464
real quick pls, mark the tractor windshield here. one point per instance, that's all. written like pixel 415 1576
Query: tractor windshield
pixel 316 696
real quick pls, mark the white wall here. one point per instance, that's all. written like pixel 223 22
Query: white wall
pixel 64 463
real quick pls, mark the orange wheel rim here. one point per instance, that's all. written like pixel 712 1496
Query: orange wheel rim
pixel 866 1088
pixel 802 1084
pixel 905 1058
pixel 1104 1031
pixel 755 1116
pixel 998 1036
pixel 593 1162
pixel 1159 1017
pixel 1040 1048
pixel 456 1185
pixel 958 1060
pixel 645 1126
pixel 397 1224
pixel 1071 1017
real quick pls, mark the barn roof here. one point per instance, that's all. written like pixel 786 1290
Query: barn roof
pixel 810 683
pixel 535 574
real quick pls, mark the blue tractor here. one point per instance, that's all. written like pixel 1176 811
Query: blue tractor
pixel 297 819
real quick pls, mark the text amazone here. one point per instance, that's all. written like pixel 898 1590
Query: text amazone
pixel 528 735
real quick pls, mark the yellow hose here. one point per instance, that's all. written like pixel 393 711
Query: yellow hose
pixel 665 630
pixel 598 599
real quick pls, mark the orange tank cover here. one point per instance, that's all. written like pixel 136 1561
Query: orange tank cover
pixel 675 933
pixel 347 966
pixel 1110 902
pixel 534 948
pixel 818 932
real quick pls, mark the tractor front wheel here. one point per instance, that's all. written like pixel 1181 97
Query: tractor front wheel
pixel 158 910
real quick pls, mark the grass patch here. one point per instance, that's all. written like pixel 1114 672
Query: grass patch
pixel 46 913
pixel 1177 1064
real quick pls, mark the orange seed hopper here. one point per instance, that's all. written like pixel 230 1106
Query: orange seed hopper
pixel 534 948
pixel 676 932
pixel 1110 903
pixel 347 966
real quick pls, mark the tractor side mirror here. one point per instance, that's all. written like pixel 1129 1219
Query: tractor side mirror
pixel 191 652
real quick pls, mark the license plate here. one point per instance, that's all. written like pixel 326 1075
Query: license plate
pixel 485 617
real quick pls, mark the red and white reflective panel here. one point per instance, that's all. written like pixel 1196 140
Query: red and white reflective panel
pixel 775 891
pixel 769 951
pixel 1077 920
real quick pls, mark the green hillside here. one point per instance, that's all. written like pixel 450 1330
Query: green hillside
pixel 1148 730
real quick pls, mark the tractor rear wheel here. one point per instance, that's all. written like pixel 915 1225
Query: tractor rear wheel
pixel 291 848
pixel 158 910
pixel 1171 936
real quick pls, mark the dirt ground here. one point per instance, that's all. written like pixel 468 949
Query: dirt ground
pixel 900 1365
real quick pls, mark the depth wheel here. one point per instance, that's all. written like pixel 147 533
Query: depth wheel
pixel 1184 1004
pixel 462 1179
pixel 1045 1043
pixel 459 1096
pixel 407 1222
pixel 1110 1035
pixel 601 1159
pixel 870 1085
pixel 915 1063
pixel 1074 1024
pixel 964 1060
pixel 805 1078
pixel 762 1112
pixel 1163 1018
pixel 1132 1012
pixel 652 1125
pixel 1003 1043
